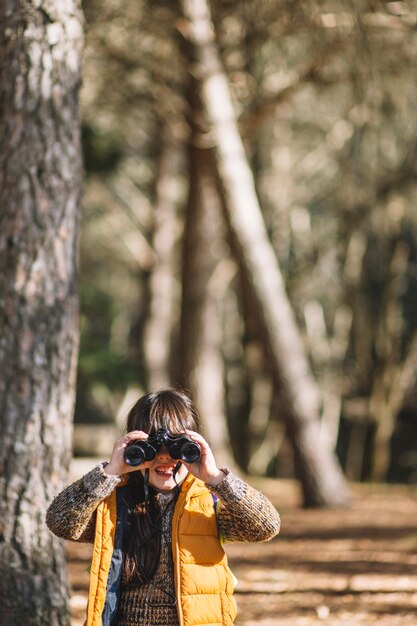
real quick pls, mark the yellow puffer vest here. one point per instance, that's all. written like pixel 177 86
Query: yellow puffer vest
pixel 203 580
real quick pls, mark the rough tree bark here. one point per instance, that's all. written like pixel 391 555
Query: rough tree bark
pixel 40 179
pixel 318 470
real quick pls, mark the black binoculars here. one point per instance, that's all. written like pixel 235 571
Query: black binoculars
pixel 179 447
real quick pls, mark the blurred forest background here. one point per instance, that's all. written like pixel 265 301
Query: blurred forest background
pixel 324 95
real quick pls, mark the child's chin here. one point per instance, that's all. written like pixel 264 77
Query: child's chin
pixel 164 483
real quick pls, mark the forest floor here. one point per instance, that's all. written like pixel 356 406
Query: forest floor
pixel 337 567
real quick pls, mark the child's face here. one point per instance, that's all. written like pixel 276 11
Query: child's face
pixel 161 471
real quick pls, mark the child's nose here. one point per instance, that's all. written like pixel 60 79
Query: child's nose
pixel 163 453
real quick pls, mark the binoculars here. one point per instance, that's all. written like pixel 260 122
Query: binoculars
pixel 179 447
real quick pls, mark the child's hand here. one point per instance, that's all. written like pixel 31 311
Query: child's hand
pixel 117 465
pixel 205 468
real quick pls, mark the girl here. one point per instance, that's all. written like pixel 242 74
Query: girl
pixel 158 528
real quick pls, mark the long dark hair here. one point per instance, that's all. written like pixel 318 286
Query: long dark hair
pixel 171 409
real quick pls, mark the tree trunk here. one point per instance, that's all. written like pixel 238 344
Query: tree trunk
pixel 388 396
pixel 40 179
pixel 318 470
pixel 205 278
pixel 393 375
pixel 159 327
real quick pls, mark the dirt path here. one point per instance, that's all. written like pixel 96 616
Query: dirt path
pixel 341 568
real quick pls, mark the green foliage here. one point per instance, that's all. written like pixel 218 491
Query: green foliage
pixel 103 372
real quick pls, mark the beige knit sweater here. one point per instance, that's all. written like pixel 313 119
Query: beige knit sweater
pixel 245 515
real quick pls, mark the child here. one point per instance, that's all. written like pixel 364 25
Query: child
pixel 158 558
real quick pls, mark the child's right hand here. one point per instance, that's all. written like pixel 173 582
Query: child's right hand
pixel 117 465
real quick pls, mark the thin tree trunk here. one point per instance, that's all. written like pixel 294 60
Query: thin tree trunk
pixel 318 470
pixel 205 277
pixel 388 396
pixel 406 377
pixel 40 179
pixel 389 385
pixel 158 334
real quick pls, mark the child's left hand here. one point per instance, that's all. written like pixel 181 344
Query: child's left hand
pixel 205 468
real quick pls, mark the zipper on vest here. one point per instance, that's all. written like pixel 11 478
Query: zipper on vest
pixel 175 545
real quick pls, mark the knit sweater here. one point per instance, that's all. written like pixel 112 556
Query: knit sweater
pixel 244 515
pixel 154 602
